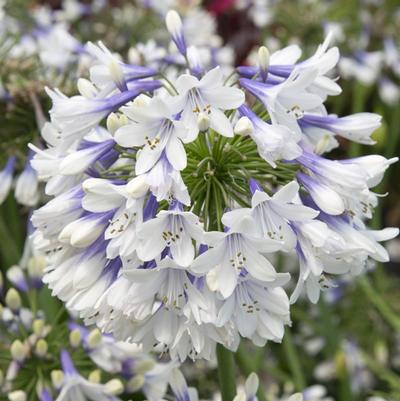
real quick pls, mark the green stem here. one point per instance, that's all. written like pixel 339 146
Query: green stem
pixel 226 373
pixel 384 309
pixel 8 248
pixel 293 361
pixel 246 365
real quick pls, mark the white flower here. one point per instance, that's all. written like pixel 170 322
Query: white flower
pixel 313 239
pixel 111 72
pixel 166 183
pixel 77 115
pixel 274 141
pixel 86 155
pixel 259 309
pixel 235 253
pixel 202 102
pixel 274 214
pixel 356 127
pixel 174 229
pixel 154 128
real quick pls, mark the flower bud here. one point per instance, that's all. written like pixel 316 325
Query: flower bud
pixel 296 397
pixel 13 300
pixel 17 277
pixel 75 338
pixel 19 350
pixel 203 121
pixel 35 267
pixel 1 377
pixel 41 348
pixel 141 100
pixel 144 366
pixel 133 56
pixel 91 184
pixel 12 371
pixel 117 75
pixel 251 384
pixel 263 58
pixel 95 376
pixel 136 383
pixel 94 338
pixel 38 327
pixel 175 28
pixel 322 145
pixel 57 378
pixel 174 23
pixel 114 387
pixel 381 353
pixel 137 187
pixel 17 395
pixel 86 88
pixel 244 127
pixel 240 396
pixel 112 123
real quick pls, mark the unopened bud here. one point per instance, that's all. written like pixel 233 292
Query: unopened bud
pixel 136 383
pixel 141 100
pixel 95 376
pixel 173 22
pixel 203 121
pixel 13 300
pixel 17 277
pixel 117 74
pixel 244 127
pixel 263 58
pixel 57 378
pixel 240 396
pixel 251 384
pixel 381 353
pixel 18 350
pixel 86 88
pixel 322 145
pixel 114 387
pixel 12 371
pixel 75 338
pixel 91 184
pixel 137 187
pixel 133 56
pixel 296 397
pixel 17 395
pixel 38 327
pixel 41 348
pixel 35 266
pixel 143 367
pixel 94 338
pixel 114 122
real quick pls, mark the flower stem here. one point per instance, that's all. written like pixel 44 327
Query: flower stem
pixel 293 361
pixel 380 304
pixel 246 365
pixel 226 373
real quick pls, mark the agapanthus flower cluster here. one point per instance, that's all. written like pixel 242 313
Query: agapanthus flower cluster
pixel 175 189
